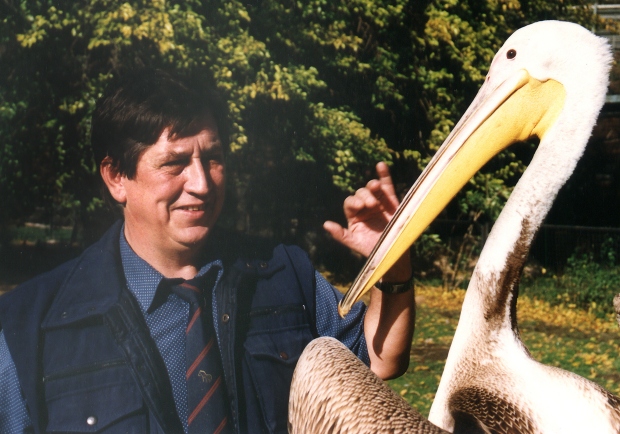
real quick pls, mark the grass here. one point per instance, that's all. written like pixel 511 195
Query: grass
pixel 34 233
pixel 33 249
pixel 569 338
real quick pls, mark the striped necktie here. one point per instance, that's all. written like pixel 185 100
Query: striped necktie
pixel 206 391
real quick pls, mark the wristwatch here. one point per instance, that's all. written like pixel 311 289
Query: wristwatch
pixel 395 288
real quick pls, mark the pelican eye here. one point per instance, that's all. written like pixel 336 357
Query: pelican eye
pixel 511 54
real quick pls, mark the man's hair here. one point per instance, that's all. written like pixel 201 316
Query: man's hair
pixel 138 106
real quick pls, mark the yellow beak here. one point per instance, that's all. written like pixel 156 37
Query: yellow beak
pixel 514 110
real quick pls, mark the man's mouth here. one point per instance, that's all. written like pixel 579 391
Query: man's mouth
pixel 193 208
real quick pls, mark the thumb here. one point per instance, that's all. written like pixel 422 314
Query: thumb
pixel 335 230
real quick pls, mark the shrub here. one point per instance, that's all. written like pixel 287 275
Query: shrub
pixel 585 284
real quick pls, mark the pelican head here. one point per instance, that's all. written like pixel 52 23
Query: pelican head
pixel 548 80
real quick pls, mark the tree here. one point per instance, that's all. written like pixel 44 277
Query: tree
pixel 318 92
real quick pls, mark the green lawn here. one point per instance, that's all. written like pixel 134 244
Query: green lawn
pixel 569 338
pixel 33 233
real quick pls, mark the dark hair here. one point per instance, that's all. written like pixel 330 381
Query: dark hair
pixel 138 106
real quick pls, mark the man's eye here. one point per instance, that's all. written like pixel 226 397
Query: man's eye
pixel 174 163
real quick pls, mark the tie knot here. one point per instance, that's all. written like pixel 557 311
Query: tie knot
pixel 194 290
pixel 189 291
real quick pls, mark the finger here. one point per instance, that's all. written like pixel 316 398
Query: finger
pixel 369 197
pixel 363 200
pixel 383 188
pixel 385 179
pixel 335 230
pixel 344 237
pixel 352 205
pixel 382 197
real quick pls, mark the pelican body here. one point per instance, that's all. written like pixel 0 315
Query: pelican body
pixel 334 392
pixel 548 80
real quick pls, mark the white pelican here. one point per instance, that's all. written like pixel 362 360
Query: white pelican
pixel 548 80
pixel 488 365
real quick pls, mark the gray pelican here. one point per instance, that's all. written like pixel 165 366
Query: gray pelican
pixel 334 392
pixel 548 80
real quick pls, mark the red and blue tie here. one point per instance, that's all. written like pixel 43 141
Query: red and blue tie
pixel 206 391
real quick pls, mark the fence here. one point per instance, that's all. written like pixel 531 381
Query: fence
pixel 553 244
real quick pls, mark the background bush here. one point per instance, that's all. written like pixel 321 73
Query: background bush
pixel 588 282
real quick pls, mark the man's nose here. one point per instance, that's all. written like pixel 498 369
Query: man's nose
pixel 198 181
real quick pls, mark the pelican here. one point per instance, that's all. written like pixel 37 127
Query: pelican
pixel 548 80
pixel 334 392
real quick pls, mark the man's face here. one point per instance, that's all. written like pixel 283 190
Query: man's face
pixel 177 194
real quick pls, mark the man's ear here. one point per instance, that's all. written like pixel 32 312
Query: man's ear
pixel 113 180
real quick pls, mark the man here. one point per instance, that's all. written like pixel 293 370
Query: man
pixel 99 344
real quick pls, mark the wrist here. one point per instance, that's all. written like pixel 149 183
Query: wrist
pixel 395 287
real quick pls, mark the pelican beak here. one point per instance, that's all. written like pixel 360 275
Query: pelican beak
pixel 516 109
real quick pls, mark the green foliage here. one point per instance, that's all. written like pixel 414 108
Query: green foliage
pixel 318 92
pixel 586 283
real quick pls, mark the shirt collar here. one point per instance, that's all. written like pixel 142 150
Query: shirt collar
pixel 143 280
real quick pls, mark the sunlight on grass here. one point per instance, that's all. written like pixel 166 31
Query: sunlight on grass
pixel 568 338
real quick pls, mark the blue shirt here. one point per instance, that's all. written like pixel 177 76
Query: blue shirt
pixel 167 327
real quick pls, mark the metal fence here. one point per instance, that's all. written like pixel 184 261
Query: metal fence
pixel 553 244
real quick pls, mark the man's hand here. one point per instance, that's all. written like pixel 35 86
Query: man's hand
pixel 390 318
pixel 368 213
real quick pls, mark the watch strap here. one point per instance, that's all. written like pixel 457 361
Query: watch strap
pixel 395 288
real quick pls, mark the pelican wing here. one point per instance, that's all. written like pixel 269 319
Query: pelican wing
pixel 334 392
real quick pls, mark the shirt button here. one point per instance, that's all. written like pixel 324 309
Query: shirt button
pixel 91 420
pixel 225 318
pixel 283 356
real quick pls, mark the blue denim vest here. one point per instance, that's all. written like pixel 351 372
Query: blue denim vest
pixel 86 362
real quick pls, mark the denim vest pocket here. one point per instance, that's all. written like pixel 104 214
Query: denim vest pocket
pixel 271 356
pixel 99 398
